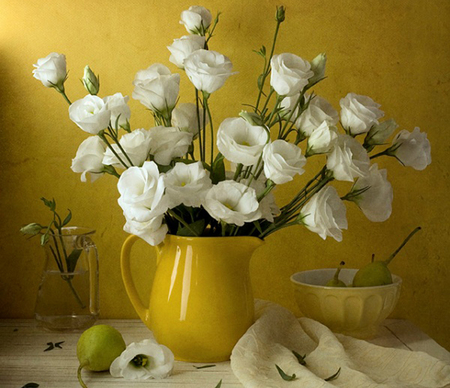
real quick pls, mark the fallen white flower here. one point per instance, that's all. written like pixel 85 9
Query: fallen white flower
pixel 143 360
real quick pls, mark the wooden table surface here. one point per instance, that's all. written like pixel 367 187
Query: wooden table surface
pixel 23 358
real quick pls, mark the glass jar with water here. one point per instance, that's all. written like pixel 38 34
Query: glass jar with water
pixel 68 297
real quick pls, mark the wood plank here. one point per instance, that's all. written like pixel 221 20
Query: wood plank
pixel 23 359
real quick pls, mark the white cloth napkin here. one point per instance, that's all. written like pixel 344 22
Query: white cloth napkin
pixel 277 332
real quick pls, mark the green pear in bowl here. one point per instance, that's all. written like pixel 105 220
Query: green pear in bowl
pixel 335 281
pixel 377 272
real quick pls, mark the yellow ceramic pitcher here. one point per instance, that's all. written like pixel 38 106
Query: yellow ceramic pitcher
pixel 201 301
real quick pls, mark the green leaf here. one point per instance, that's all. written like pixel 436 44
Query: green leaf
pixel 284 375
pixel 31 385
pixel 50 346
pixel 72 259
pixel 203 366
pixel 197 226
pixel 218 169
pixel 50 204
pixel 300 358
pixel 257 226
pixel 219 384
pixel 333 377
pixel 260 81
pixel 67 219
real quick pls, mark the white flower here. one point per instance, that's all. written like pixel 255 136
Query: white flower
pixel 412 148
pixel 379 133
pixel 136 144
pixel 241 142
pixel 318 111
pixel 207 70
pixel 196 19
pixel 90 114
pixel 152 231
pixel 181 48
pixel 290 74
pixel 232 202
pixel 89 158
pixel 143 360
pixel 318 67
pixel 185 117
pixel 117 105
pixel 376 201
pixel 348 159
pixel 156 88
pixel 267 205
pixel 325 214
pixel 51 71
pixel 141 192
pixel 167 143
pixel 187 184
pixel 288 104
pixel 321 139
pixel 359 113
pixel 282 160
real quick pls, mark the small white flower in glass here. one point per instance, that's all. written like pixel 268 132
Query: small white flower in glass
pixel 359 113
pixel 325 214
pixel 241 142
pixel 89 158
pixel 143 360
pixel 90 114
pixel 232 202
pixel 51 71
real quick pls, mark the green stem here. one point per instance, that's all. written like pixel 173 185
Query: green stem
pixel 80 380
pixel 63 93
pixel 116 140
pixel 402 245
pixel 238 171
pixel 183 222
pixel 288 120
pixel 267 65
pixel 103 137
pixel 206 107
pixel 75 293
pixel 199 127
pixel 279 99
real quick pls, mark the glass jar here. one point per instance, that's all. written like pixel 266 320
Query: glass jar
pixel 68 297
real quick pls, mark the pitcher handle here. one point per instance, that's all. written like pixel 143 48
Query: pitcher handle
pixel 128 279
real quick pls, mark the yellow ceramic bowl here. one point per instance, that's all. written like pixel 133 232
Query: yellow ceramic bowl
pixel 355 311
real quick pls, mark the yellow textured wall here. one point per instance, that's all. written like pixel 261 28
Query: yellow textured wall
pixel 397 52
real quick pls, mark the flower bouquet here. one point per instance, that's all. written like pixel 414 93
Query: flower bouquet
pixel 183 177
